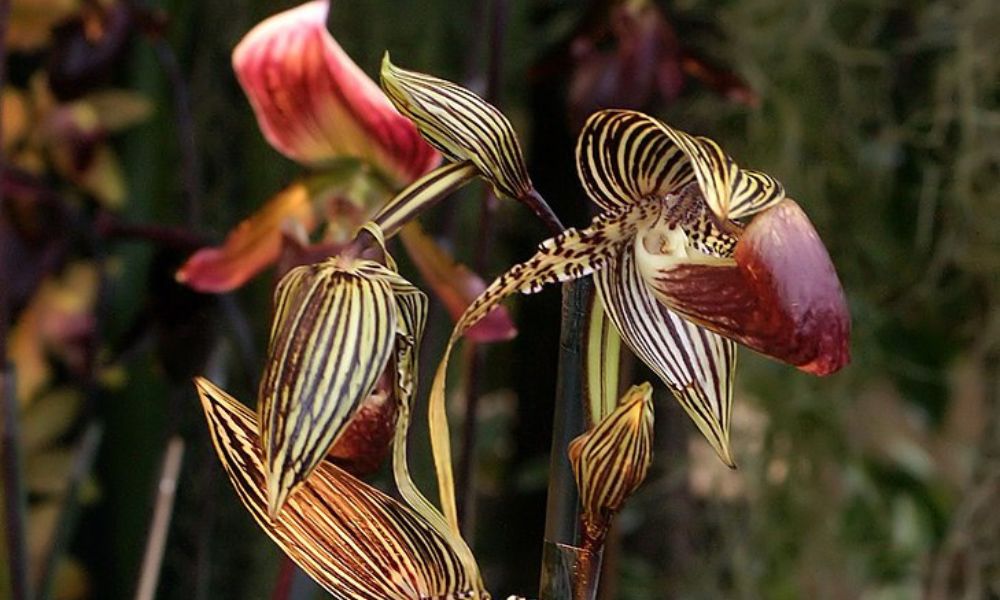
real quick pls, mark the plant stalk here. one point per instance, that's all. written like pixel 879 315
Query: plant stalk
pixel 568 571
pixel 474 358
pixel 83 465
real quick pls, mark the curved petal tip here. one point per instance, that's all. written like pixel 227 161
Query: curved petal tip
pixel 314 104
pixel 780 294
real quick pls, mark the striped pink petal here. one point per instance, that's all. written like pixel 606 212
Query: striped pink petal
pixel 314 104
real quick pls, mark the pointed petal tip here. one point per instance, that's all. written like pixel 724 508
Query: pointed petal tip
pixel 276 496
pixel 725 453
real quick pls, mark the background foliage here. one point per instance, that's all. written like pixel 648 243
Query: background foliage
pixel 882 118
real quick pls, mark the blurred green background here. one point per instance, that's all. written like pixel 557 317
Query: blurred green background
pixel 882 119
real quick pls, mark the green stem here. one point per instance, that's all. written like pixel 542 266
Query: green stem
pixel 83 465
pixel 564 564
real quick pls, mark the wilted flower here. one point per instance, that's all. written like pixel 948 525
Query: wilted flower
pixel 315 105
pixel 611 460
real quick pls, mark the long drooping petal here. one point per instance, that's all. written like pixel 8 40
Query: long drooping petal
pixel 352 539
pixel 778 295
pixel 573 254
pixel 611 459
pixel 333 334
pixel 625 157
pixel 455 285
pixel 251 246
pixel 314 104
pixel 697 365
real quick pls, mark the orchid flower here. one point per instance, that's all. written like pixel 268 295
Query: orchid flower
pixel 678 273
pixel 317 107
pixel 689 253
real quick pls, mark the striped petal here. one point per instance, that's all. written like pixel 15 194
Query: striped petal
pixel 314 104
pixel 697 365
pixel 422 194
pixel 461 125
pixel 412 305
pixel 611 460
pixel 779 294
pixel 603 352
pixel 252 246
pixel 625 157
pixel 333 335
pixel 572 254
pixel 355 541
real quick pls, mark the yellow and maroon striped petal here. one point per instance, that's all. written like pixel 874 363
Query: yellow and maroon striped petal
pixel 461 125
pixel 252 246
pixel 420 195
pixel 314 104
pixel 332 337
pixel 697 365
pixel 572 254
pixel 603 358
pixel 355 541
pixel 625 157
pixel 779 294
pixel 611 460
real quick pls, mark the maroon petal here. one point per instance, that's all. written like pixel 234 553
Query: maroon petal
pixel 779 295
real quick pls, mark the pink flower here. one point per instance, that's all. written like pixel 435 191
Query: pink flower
pixel 314 104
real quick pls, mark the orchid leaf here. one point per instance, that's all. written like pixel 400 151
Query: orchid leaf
pixel 353 540
pixel 315 105
pixel 251 246
pixel 779 294
pixel 697 365
pixel 333 335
